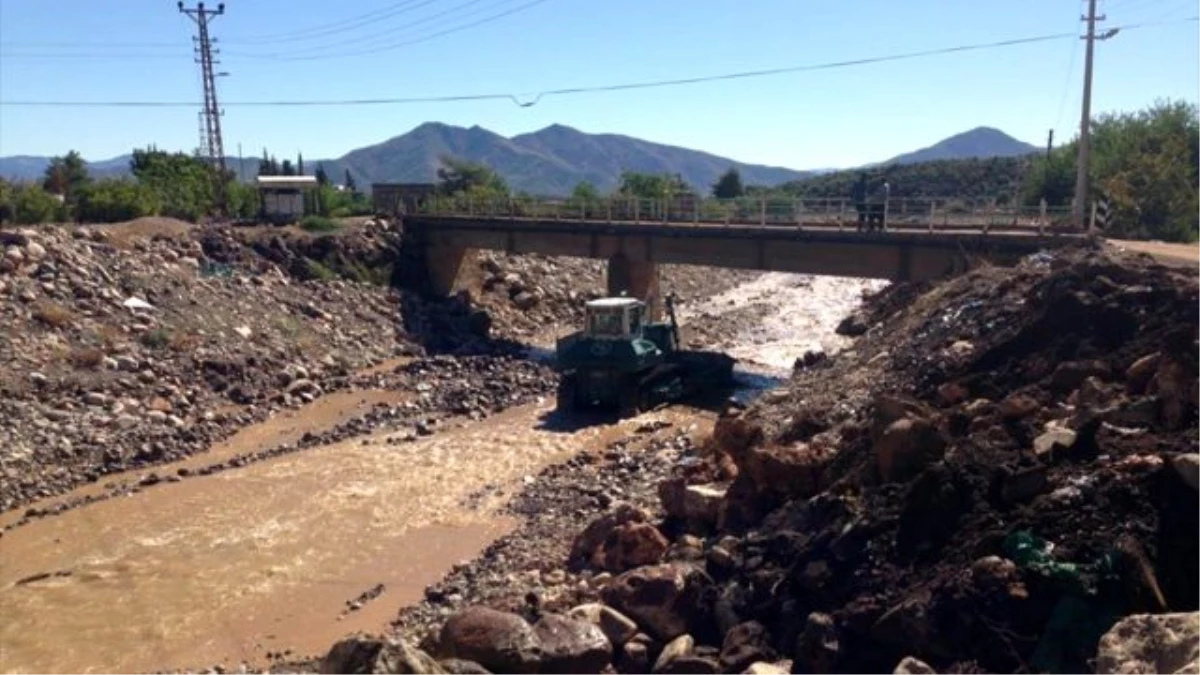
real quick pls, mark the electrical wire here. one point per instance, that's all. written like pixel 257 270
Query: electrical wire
pixel 1062 101
pixel 342 26
pixel 402 43
pixel 381 37
pixel 517 99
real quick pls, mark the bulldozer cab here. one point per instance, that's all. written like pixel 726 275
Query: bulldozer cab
pixel 615 318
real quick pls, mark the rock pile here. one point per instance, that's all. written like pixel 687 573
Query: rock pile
pixel 527 294
pixel 130 346
pixel 994 474
pixel 1000 469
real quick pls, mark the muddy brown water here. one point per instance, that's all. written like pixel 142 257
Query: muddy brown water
pixel 220 569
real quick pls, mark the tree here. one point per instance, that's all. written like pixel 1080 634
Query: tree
pixel 1148 164
pixel 114 200
pixel 585 192
pixel 299 164
pixel 32 205
pixel 182 184
pixel 459 176
pixel 322 177
pixel 729 185
pixel 287 169
pixel 652 186
pixel 66 177
pixel 264 165
pixel 350 184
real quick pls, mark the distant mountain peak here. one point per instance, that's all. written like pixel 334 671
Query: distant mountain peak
pixel 980 142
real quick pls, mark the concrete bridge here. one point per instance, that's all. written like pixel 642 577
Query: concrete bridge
pixel 634 247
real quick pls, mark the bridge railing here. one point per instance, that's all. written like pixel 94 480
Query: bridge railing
pixel 931 214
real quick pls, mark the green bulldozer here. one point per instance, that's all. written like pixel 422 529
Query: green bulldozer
pixel 620 361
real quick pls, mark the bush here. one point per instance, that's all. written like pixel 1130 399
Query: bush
pixel 115 200
pixel 32 205
pixel 318 224
pixel 318 271
pixel 159 338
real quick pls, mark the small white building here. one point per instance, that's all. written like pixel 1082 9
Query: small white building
pixel 282 197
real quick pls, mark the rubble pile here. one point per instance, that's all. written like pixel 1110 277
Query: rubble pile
pixel 997 472
pixel 988 480
pixel 131 346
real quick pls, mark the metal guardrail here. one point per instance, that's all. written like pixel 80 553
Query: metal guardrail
pixel 942 214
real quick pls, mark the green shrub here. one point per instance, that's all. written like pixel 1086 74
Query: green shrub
pixel 32 205
pixel 158 338
pixel 318 224
pixel 115 200
pixel 319 271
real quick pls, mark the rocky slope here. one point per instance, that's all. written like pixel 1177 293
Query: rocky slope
pixel 135 345
pixel 534 297
pixel 999 469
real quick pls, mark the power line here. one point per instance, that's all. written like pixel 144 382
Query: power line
pixel 379 38
pixel 382 37
pixel 1062 101
pixel 402 43
pixel 343 25
pixel 338 27
pixel 594 89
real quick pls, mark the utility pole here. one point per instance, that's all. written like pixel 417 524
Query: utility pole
pixel 1079 210
pixel 211 144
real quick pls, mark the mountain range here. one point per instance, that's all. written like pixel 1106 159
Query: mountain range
pixel 550 161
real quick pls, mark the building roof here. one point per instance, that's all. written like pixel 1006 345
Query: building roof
pixel 287 181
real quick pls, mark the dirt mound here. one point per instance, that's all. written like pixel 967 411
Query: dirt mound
pixel 996 455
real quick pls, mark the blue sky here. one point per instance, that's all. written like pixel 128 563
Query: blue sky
pixel 140 50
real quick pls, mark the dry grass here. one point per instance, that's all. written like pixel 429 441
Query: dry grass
pixel 86 358
pixel 122 235
pixel 184 342
pixel 53 314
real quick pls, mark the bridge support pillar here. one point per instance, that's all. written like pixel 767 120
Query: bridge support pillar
pixel 637 279
pixel 444 267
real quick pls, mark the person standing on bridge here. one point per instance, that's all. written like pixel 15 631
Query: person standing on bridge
pixel 858 194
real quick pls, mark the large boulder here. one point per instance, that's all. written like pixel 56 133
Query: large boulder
pixel 617 627
pixel 793 470
pixel 1151 643
pixel 913 666
pixel 364 654
pixel 906 447
pixel 697 506
pixel 817 646
pixel 498 641
pixel 663 599
pixel 589 542
pixel 1177 391
pixel 733 435
pixel 744 645
pixel 1187 466
pixel 631 545
pixel 572 646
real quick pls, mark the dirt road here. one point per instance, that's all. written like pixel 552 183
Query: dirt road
pixel 1168 253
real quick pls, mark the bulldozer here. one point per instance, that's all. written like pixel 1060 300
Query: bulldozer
pixel 620 361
